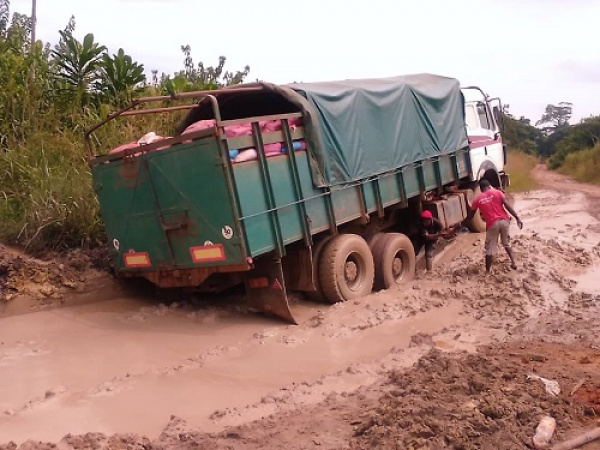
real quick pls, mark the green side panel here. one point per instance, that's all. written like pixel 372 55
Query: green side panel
pixel 429 175
pixel 286 199
pixel 346 204
pixel 369 193
pixel 253 206
pixel 390 189
pixel 411 182
pixel 258 221
pixel 446 169
pixel 316 208
pixel 166 202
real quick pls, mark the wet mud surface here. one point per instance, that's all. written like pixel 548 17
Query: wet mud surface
pixel 445 362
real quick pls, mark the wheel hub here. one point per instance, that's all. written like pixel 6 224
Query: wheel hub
pixel 397 267
pixel 351 271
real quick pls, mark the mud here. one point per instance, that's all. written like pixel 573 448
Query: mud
pixel 29 284
pixel 442 363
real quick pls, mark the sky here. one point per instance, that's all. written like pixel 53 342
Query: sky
pixel 527 52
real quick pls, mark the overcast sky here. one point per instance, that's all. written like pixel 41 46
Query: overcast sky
pixel 528 52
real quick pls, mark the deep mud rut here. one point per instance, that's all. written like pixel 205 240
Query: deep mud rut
pixel 442 363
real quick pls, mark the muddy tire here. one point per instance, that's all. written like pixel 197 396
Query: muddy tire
pixel 395 261
pixel 374 239
pixel 476 224
pixel 346 269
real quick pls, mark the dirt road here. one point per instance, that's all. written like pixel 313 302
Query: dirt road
pixel 553 180
pixel 442 363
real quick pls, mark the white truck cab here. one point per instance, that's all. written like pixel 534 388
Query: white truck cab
pixel 483 117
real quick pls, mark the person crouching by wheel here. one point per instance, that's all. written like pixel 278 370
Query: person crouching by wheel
pixel 431 231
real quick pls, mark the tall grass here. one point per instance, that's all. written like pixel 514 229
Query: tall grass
pixel 583 165
pixel 519 168
pixel 47 201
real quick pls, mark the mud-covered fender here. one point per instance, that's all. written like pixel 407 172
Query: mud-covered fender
pixel 488 170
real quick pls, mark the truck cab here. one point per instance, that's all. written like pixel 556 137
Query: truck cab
pixel 483 118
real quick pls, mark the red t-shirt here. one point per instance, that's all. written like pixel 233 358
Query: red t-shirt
pixel 491 207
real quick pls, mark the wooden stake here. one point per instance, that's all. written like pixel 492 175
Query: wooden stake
pixel 578 441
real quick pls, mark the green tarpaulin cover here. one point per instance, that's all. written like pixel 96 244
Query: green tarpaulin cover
pixel 367 127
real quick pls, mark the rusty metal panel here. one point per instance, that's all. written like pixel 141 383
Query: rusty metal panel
pixel 455 209
pixel 176 278
pixel 450 210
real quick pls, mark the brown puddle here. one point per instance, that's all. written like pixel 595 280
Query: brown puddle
pixel 74 364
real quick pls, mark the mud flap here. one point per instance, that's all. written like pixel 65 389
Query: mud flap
pixel 266 290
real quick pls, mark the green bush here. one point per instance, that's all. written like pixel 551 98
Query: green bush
pixel 583 165
pixel 49 97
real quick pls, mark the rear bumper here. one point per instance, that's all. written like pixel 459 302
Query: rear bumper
pixel 182 278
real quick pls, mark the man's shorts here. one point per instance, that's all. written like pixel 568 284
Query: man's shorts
pixel 500 228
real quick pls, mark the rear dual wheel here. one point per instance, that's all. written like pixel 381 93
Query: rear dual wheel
pixel 346 268
pixel 349 267
pixel 394 257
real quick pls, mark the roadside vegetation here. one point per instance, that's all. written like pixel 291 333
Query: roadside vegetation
pixel 51 93
pixel 519 167
pixel 573 150
pixel 583 165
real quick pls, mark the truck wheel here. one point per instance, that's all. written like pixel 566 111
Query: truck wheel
pixel 394 257
pixel 346 268
pixel 476 224
pixel 374 239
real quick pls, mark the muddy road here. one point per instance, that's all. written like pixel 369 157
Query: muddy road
pixel 442 363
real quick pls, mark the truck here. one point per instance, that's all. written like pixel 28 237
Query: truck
pixel 310 187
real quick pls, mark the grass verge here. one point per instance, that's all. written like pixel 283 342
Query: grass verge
pixel 519 168
pixel 583 165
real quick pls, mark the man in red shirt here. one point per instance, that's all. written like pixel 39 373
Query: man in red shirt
pixel 493 208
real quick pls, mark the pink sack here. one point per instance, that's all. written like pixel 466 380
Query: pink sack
pixel 273 149
pixel 268 126
pixel 238 130
pixel 295 122
pixel 200 125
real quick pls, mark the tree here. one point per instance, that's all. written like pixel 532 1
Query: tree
pixel 520 135
pixel 22 94
pixel 556 116
pixel 77 64
pixel 583 136
pixel 120 77
pixel 4 17
pixel 200 78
